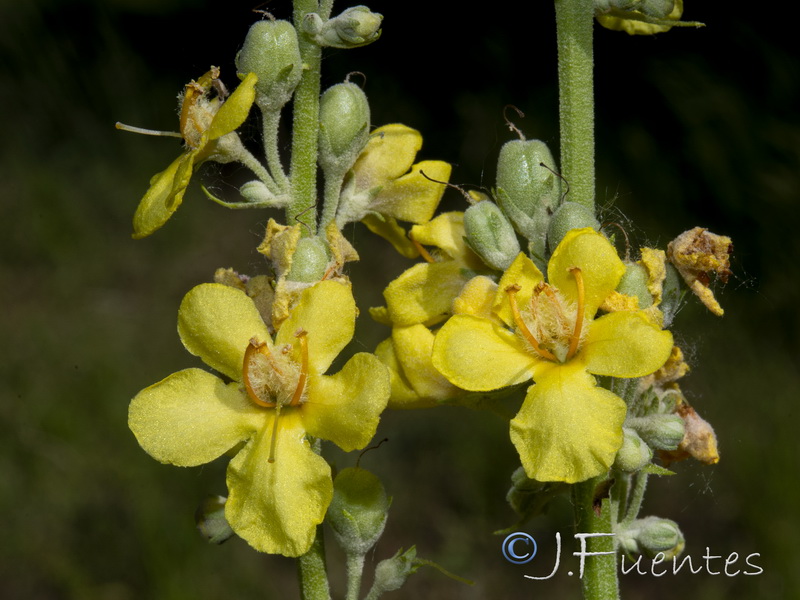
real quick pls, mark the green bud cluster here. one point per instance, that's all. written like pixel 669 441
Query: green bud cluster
pixel 356 26
pixel 490 235
pixel 271 52
pixel 357 514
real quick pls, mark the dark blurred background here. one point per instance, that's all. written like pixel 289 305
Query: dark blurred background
pixel 694 127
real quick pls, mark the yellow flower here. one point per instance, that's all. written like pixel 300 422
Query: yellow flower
pixel 279 488
pixel 568 428
pixel 385 185
pixel 203 121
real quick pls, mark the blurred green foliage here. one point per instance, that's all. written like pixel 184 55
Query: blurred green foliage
pixel 694 128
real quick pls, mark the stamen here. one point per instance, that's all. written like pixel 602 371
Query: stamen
pixel 301 381
pixel 144 131
pixel 422 251
pixel 254 347
pixel 512 298
pixel 575 338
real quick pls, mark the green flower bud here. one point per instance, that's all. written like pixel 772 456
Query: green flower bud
pixel 528 192
pixel 671 295
pixel 271 52
pixel 660 9
pixel 634 453
pixel 256 191
pixel 309 261
pixel 357 513
pixel 652 535
pixel 343 126
pixel 570 215
pixel 391 574
pixel 634 283
pixel 490 235
pixel 356 26
pixel 210 520
pixel 662 432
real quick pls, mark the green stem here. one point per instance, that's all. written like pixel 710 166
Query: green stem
pixel 306 125
pixel 574 23
pixel 355 568
pixel 270 122
pixel 333 188
pixel 311 571
pixel 635 504
pixel 600 572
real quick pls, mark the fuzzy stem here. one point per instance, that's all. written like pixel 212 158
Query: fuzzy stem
pixel 600 573
pixel 270 124
pixel 312 573
pixel 355 568
pixel 635 504
pixel 574 22
pixel 306 125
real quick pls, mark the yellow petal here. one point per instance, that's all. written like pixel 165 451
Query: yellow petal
pixel 388 229
pixel 625 344
pixel 327 312
pixel 216 323
pixel 164 195
pixel 235 109
pixel 192 417
pixel 414 348
pixel 388 154
pixel 345 408
pixel 402 394
pixel 446 232
pixel 524 273
pixel 597 259
pixel 477 298
pixel 424 293
pixel 276 507
pixel 413 197
pixel 479 356
pixel 567 429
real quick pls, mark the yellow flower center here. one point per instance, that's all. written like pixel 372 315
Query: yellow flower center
pixel 551 325
pixel 275 380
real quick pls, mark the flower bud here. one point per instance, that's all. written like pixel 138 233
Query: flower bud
pixel 634 283
pixel 343 126
pixel 659 9
pixel 357 513
pixel 210 520
pixel 271 52
pixel 671 295
pixel 527 191
pixel 490 235
pixel 652 535
pixel 662 432
pixel 570 215
pixel 634 453
pixel 356 26
pixel 309 261
pixel 391 574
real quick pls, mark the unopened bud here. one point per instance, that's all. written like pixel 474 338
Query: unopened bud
pixel 357 514
pixel 343 126
pixel 570 215
pixel 309 261
pixel 490 235
pixel 210 520
pixel 652 535
pixel 271 52
pixel 661 432
pixel 634 453
pixel 356 26
pixel 634 283
pixel 392 573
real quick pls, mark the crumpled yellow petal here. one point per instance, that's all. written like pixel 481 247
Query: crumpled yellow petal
pixel 597 259
pixel 402 394
pixel 388 229
pixel 191 417
pixel 524 273
pixel 327 312
pixel 164 195
pixel 446 232
pixel 235 109
pixel 479 356
pixel 413 197
pixel 424 293
pixel 345 408
pixel 277 506
pixel 625 344
pixel 568 429
pixel 216 323
pixel 388 154
pixel 477 298
pixel 414 348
